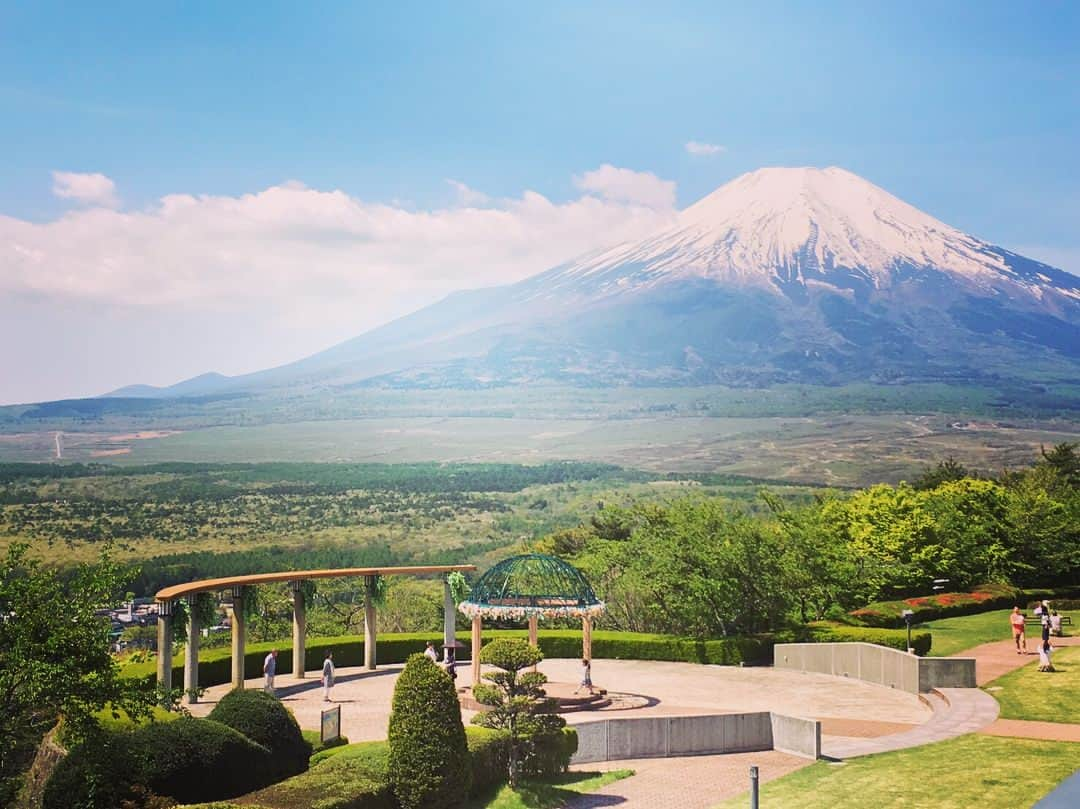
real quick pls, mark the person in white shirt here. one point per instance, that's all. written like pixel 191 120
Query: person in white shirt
pixel 430 653
pixel 327 676
pixel 269 669
pixel 1055 623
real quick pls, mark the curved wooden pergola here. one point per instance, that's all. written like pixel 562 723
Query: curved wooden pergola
pixel 234 586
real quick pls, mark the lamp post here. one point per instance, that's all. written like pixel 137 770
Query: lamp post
pixel 907 620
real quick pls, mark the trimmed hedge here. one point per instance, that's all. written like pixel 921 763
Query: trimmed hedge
pixel 190 760
pixel 429 757
pixel 944 605
pixel 215 667
pixel 357 777
pixel 266 721
pixel 829 632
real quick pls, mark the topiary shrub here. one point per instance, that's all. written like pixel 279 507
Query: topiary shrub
pixel 429 759
pixel 263 719
pixel 190 760
pixel 489 758
pixel 550 753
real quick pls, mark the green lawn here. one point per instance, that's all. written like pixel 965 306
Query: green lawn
pixel 1028 693
pixel 548 794
pixel 954 635
pixel 971 770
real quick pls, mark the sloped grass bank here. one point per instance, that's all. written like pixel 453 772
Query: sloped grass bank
pixel 1054 696
pixel 967 771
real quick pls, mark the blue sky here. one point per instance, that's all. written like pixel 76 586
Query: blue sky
pixel 970 112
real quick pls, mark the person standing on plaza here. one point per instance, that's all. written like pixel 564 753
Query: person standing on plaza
pixel 269 670
pixel 430 652
pixel 586 676
pixel 1016 620
pixel 1055 623
pixel 327 676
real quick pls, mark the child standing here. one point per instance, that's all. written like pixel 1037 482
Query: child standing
pixel 586 676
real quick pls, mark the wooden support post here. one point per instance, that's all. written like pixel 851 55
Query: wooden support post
pixel 191 653
pixel 236 617
pixel 476 641
pixel 299 630
pixel 369 623
pixel 534 632
pixel 586 638
pixel 164 644
pixel 449 629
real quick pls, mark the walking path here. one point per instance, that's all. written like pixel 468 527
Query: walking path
pixel 689 782
pixel 956 711
pixel 992 660
pixel 1050 731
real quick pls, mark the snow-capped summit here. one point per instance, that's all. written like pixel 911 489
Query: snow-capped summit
pixel 777 226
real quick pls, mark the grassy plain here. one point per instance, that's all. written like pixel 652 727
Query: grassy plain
pixel 847 435
pixel 973 770
pixel 839 450
pixel 1028 693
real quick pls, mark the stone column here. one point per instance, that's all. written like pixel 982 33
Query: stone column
pixel 449 628
pixel 191 653
pixel 476 650
pixel 299 630
pixel 534 632
pixel 164 644
pixel 236 617
pixel 586 637
pixel 369 623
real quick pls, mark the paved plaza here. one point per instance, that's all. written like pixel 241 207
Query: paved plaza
pixel 857 718
pixel 668 689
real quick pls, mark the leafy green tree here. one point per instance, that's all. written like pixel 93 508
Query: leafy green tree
pixel 516 702
pixel 54 656
pixel 429 755
pixel 1064 460
pixel 945 471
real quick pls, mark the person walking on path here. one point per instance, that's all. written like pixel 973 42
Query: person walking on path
pixel 430 652
pixel 269 670
pixel 1017 622
pixel 586 676
pixel 327 676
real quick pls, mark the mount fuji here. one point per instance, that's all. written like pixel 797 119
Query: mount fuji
pixel 782 275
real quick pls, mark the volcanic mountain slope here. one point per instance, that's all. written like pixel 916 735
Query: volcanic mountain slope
pixel 782 275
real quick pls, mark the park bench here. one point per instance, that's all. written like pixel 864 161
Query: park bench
pixel 1066 620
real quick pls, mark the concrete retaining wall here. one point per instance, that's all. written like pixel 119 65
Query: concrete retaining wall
pixel 877 664
pixel 665 736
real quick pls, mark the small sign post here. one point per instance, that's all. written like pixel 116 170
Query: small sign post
pixel 330 729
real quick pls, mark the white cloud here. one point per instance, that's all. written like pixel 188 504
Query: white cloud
pixel 317 255
pixel 628 186
pixel 699 149
pixel 88 189
pixel 469 197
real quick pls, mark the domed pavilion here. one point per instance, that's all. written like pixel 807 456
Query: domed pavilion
pixel 531 586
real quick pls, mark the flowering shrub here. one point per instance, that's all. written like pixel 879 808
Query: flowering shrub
pixel 927 608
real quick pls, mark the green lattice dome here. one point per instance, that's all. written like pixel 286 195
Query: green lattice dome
pixel 532 584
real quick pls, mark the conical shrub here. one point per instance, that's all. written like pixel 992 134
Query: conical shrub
pixel 429 757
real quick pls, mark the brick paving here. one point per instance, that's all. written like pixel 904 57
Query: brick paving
pixel 956 711
pixel 1027 729
pixel 687 782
